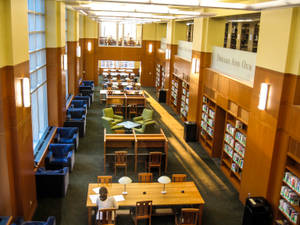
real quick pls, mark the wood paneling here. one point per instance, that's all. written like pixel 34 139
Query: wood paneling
pixel 182 68
pixel 17 151
pixel 261 135
pixel 148 64
pixel 196 82
pixel 72 67
pixel 55 86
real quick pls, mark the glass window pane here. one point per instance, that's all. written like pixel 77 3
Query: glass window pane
pixel 33 81
pixel 32 41
pixel 31 4
pixel 31 22
pixel 32 61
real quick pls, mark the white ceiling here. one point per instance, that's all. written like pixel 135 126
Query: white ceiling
pixel 145 11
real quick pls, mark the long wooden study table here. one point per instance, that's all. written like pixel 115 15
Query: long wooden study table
pixel 178 194
pixel 135 141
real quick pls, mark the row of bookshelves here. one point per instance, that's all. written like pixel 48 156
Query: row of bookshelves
pixel 184 108
pixel 242 35
pixel 231 145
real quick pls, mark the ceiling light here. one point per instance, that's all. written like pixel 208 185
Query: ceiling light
pixel 177 2
pixel 216 4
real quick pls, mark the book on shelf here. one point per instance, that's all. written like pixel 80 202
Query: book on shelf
pixel 288 210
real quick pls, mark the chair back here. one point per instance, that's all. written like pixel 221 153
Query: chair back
pixel 133 109
pixel 147 114
pixel 155 158
pixel 107 216
pixel 144 209
pixel 178 177
pixel 189 216
pixel 145 177
pixel 104 180
pixel 119 109
pixel 120 158
pixel 108 112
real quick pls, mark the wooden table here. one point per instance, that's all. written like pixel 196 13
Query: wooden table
pixel 136 142
pixel 174 196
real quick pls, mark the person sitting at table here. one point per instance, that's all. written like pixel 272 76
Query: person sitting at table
pixel 104 202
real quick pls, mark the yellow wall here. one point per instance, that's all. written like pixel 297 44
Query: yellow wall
pixel 293 61
pixel 197 34
pixel 161 31
pixel 170 29
pixel 215 31
pixel 227 12
pixel 139 32
pixel 90 28
pixel 5 35
pixel 154 31
pixel 55 24
pixel 81 26
pixel 179 32
pixel 73 25
pixel 149 31
pixel 275 28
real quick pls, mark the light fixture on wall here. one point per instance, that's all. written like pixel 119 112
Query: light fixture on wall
pixel 65 62
pixel 263 96
pixel 197 65
pixel 89 46
pixel 150 48
pixel 168 53
pixel 78 51
pixel 18 89
pixel 194 65
pixel 26 92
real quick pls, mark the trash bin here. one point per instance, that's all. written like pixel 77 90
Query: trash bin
pixel 162 96
pixel 190 131
pixel 257 212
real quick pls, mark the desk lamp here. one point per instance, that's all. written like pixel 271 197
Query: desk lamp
pixel 125 180
pixel 164 180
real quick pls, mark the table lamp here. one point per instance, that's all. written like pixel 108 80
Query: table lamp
pixel 164 180
pixel 125 180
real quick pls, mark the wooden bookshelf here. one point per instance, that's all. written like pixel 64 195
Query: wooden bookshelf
pixel 176 89
pixel 163 77
pixel 158 77
pixel 212 127
pixel 288 208
pixel 184 106
pixel 234 147
pixel 242 35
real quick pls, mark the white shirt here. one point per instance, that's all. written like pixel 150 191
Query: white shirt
pixel 110 202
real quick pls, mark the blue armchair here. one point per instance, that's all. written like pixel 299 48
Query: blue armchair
pixel 50 221
pixel 67 135
pixel 52 183
pixel 84 98
pixel 79 104
pixel 60 156
pixel 88 83
pixel 76 118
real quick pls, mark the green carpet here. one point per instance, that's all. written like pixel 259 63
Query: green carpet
pixel 222 204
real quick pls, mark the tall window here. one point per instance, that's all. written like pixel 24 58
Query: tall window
pixel 37 68
pixel 120 34
pixel 66 56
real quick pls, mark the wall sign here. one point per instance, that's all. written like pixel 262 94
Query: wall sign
pixel 236 64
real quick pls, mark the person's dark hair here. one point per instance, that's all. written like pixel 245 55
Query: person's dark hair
pixel 103 193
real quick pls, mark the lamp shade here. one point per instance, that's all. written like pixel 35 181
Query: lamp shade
pixel 125 180
pixel 164 180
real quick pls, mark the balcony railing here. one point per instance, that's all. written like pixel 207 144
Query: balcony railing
pixel 185 50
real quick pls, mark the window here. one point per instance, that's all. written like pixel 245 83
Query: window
pixel 66 57
pixel 120 34
pixel 37 68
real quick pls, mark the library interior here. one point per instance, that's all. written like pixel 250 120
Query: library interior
pixel 150 111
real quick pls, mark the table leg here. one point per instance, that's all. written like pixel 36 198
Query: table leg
pixel 200 214
pixel 89 215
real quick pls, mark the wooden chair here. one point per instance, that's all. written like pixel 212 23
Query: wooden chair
pixel 104 180
pixel 118 109
pixel 188 216
pixel 145 177
pixel 106 217
pixel 133 110
pixel 155 161
pixel 120 160
pixel 178 177
pixel 143 211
